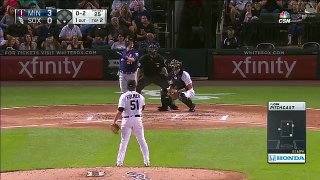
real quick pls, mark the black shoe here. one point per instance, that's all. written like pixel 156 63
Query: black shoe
pixel 161 108
pixel 146 164
pixel 193 108
pixel 174 107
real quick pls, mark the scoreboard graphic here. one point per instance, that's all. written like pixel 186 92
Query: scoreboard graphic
pixel 38 16
pixel 61 16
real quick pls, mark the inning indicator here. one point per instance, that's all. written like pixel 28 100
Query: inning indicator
pixel 81 16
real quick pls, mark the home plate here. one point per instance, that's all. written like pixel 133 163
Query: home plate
pixel 224 118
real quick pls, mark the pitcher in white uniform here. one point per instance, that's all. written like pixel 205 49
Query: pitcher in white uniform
pixel 130 106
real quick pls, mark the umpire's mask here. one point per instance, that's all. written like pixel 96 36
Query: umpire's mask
pixel 152 49
pixel 131 85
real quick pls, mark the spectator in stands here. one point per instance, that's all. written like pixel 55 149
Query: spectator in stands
pixel 98 35
pixel 149 41
pixel 75 44
pixel 1 36
pixel 302 6
pixel 125 17
pixel 32 6
pixel 230 42
pixel 116 6
pixel 250 14
pixel 2 9
pixel 295 28
pixel 115 29
pixel 8 18
pixel 136 15
pixel 272 6
pixel 50 43
pixel 258 6
pixel 249 25
pixel 17 30
pixel 43 31
pixel 12 3
pixel 311 6
pixel 237 7
pixel 134 5
pixel 121 43
pixel 145 29
pixel 28 44
pixel 89 4
pixel 86 28
pixel 30 30
pixel 25 4
pixel 67 32
pixel 11 44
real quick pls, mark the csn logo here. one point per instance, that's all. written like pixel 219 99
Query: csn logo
pixel 284 17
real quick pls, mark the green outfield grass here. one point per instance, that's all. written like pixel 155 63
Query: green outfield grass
pixel 27 96
pixel 241 149
pixel 238 149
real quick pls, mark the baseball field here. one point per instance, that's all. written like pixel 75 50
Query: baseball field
pixel 61 130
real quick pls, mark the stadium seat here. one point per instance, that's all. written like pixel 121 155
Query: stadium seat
pixel 311 45
pixel 265 46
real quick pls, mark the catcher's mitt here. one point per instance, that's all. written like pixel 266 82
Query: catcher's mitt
pixel 115 128
pixel 173 93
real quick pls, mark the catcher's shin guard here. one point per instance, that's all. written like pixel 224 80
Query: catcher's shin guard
pixel 165 99
pixel 186 101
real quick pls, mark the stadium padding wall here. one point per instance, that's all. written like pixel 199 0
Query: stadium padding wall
pixel 214 64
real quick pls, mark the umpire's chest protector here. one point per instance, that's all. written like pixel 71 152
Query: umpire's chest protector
pixel 152 65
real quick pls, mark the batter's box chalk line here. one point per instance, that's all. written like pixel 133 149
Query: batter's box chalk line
pixel 138 175
pixel 95 173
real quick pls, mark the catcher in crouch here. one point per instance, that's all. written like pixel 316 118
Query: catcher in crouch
pixel 181 85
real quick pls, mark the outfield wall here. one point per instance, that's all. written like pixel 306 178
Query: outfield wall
pixel 279 64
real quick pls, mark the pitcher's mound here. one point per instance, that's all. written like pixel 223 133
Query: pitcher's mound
pixel 125 173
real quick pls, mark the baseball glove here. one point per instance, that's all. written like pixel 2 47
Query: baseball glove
pixel 173 93
pixel 115 128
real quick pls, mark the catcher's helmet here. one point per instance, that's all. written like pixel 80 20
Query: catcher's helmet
pixel 175 64
pixel 131 85
pixel 152 49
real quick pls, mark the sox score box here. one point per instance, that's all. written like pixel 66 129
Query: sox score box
pixel 286 139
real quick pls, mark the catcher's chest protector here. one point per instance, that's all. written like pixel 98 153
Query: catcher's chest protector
pixel 177 81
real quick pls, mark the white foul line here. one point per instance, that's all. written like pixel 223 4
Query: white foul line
pixel 224 118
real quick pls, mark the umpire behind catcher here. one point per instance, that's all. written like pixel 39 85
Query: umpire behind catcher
pixel 151 69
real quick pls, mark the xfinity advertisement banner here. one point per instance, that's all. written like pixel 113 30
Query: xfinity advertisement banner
pixel 89 67
pixel 265 67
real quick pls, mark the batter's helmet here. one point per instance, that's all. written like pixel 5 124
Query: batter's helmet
pixel 131 85
pixel 175 64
